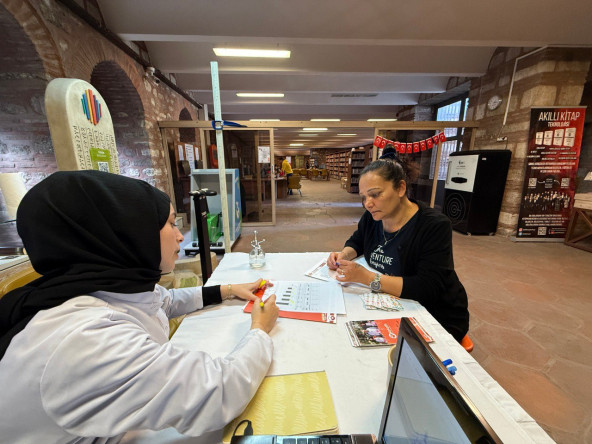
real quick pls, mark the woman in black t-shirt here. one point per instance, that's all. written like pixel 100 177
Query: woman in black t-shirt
pixel 408 243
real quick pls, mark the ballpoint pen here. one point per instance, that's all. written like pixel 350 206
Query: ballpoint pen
pixel 263 282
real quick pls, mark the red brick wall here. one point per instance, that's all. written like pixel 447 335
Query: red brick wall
pixel 25 144
pixel 55 43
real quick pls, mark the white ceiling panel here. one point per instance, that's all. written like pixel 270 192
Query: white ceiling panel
pixel 350 59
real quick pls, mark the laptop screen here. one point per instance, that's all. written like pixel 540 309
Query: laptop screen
pixel 425 404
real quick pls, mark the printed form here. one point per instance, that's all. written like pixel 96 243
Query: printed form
pixel 315 297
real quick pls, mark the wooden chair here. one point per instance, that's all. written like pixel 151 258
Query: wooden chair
pixel 294 183
pixel 22 276
pixel 313 174
pixel 325 174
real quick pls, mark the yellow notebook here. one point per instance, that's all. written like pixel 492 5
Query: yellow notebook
pixel 298 404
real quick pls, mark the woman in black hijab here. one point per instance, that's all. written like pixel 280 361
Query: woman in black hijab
pixel 84 349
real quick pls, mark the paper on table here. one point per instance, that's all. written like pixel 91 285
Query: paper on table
pixel 323 272
pixel 316 297
pixel 295 404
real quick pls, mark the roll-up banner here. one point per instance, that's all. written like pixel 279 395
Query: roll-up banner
pixel 554 142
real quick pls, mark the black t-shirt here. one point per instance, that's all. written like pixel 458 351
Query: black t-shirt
pixel 384 253
pixel 423 255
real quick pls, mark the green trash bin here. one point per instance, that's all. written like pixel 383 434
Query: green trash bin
pixel 214 231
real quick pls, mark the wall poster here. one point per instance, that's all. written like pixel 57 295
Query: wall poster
pixel 553 152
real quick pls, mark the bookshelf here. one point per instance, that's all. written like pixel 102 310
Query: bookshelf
pixel 338 164
pixel 360 157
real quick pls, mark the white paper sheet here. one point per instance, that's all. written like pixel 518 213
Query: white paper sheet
pixel 314 297
pixel 321 271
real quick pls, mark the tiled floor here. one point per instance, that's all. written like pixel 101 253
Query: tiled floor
pixel 530 304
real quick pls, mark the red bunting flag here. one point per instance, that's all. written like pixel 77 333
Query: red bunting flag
pixel 442 137
pixel 436 139
pixel 377 141
pixel 416 147
pixel 397 147
pixel 383 142
pixel 422 145
pixel 409 148
pixel 430 143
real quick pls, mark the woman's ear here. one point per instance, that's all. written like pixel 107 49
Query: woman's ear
pixel 402 188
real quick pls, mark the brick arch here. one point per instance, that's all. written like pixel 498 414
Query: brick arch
pixel 186 134
pixel 38 34
pixel 25 148
pixel 127 113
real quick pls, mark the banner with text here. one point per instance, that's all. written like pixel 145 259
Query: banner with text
pixel 554 142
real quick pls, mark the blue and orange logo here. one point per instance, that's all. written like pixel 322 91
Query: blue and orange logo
pixel 91 107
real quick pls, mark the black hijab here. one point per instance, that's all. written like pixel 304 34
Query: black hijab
pixel 85 231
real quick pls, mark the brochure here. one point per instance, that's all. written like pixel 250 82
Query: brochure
pixel 379 332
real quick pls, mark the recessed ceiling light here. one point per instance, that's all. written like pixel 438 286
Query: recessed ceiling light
pixel 314 129
pixel 264 120
pixel 260 94
pixel 325 120
pixel 239 52
pixel 382 120
pixel 345 134
pixel 296 144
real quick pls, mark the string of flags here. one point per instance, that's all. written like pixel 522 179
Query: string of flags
pixel 413 147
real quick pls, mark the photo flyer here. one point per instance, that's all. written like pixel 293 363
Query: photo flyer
pixel 379 332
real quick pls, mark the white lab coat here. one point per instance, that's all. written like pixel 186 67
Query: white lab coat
pixel 100 365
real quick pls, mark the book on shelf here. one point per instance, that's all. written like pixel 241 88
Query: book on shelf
pixel 296 404
pixel 379 332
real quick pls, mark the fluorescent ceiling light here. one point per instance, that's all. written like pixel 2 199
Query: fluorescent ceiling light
pixel 344 134
pixel 307 135
pixel 314 129
pixel 264 120
pixel 382 120
pixel 325 120
pixel 260 94
pixel 239 52
pixel 296 144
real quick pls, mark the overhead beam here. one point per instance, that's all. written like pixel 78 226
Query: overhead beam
pixel 402 125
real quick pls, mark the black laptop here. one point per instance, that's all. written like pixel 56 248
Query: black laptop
pixel 424 404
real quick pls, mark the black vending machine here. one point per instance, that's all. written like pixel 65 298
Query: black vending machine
pixel 474 189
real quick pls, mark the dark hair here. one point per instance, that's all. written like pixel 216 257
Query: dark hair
pixel 389 152
pixel 393 170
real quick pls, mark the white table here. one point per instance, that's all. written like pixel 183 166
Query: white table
pixel 357 377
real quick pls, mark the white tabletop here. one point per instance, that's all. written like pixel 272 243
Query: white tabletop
pixel 357 377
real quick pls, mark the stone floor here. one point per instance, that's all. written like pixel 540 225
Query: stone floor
pixel 530 304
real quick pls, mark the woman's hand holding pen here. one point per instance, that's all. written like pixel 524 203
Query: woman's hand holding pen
pixel 264 317
pixel 334 258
